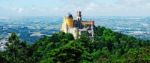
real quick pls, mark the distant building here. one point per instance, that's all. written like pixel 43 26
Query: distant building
pixel 76 27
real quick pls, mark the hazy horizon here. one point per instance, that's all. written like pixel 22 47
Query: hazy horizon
pixel 15 8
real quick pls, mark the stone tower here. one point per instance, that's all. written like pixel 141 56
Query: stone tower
pixel 79 16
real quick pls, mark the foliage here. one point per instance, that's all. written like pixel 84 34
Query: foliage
pixel 106 47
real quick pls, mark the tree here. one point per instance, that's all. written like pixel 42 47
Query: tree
pixel 16 51
pixel 69 53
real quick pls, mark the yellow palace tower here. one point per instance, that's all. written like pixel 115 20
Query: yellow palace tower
pixel 68 23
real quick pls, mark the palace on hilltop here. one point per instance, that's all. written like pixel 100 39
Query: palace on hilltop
pixel 77 26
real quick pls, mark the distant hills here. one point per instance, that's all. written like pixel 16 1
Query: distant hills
pixel 26 27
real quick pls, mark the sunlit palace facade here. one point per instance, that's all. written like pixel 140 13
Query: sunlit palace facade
pixel 77 26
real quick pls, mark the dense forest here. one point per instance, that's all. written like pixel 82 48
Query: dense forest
pixel 106 47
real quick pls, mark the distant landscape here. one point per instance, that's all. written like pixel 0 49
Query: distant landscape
pixel 32 28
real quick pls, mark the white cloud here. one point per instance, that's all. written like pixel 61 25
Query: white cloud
pixel 17 10
pixel 20 10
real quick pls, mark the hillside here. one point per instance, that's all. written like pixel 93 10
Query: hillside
pixel 107 47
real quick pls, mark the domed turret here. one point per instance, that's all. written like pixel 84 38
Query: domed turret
pixel 69 16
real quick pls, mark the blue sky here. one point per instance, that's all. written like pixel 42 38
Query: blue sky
pixel 62 7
